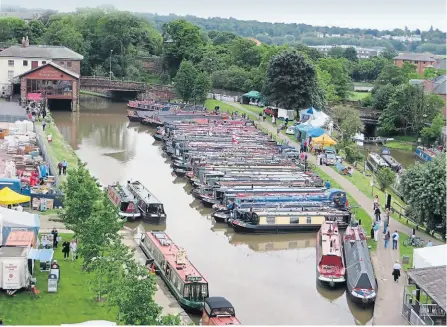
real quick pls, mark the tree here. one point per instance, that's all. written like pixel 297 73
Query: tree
pixel 408 109
pixel 182 40
pixel 202 86
pixel 36 29
pixel 381 96
pixel 232 79
pixel 424 190
pixel 385 177
pixel 12 28
pixel 389 53
pixel 352 151
pixel 245 53
pixel 351 54
pixel 81 194
pixel 430 73
pixel 220 38
pixel 336 52
pixel 325 82
pixel 291 81
pixel 391 75
pixel 347 121
pixel 312 54
pixel 339 75
pixel 433 132
pixel 185 79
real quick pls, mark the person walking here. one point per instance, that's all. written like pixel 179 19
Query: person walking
pixel 327 184
pixel 59 166
pixel 376 231
pixel 55 234
pixel 305 145
pixel 429 243
pixel 395 238
pixel 64 167
pixel 386 222
pixel 66 249
pixel 377 213
pixel 376 202
pixel 73 248
pixel 396 271
pixel 387 239
pixel 44 123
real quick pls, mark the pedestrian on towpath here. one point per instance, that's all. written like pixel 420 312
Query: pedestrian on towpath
pixel 377 213
pixel 64 167
pixel 395 238
pixel 396 271
pixel 59 166
pixel 376 231
pixel 73 248
pixel 44 124
pixel 66 249
pixel 387 239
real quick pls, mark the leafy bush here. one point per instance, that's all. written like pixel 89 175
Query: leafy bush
pixel 385 177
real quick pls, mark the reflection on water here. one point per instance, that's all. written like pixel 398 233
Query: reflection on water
pixel 269 279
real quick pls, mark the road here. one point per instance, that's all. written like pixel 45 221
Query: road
pixel 388 305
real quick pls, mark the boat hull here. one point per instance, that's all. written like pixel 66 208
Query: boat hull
pixel 277 229
pixel 134 119
pixel 190 306
pixel 364 301
pixel 154 219
pixel 329 281
pixel 221 216
pixel 129 216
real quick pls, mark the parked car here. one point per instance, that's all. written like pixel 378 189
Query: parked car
pixel 292 154
pixel 329 159
pixel 290 130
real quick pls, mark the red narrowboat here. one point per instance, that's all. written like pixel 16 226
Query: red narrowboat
pixel 330 261
pixel 218 311
pixel 125 201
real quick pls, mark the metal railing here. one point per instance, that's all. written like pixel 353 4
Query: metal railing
pixel 43 148
pixel 12 118
pixel 412 313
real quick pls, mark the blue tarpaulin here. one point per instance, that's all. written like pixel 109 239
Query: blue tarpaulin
pixel 315 132
pixel 310 110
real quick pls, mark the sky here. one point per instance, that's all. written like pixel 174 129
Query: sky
pixel 376 14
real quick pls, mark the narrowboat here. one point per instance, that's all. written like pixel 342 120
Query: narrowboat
pixel 151 209
pixel 218 310
pixel 375 162
pixel 360 280
pixel 184 281
pixel 124 201
pixel 330 261
pixel 393 163
pixel 424 154
pixel 281 222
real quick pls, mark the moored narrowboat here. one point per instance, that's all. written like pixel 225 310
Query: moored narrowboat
pixel 424 154
pixel 360 280
pixel 330 262
pixel 375 162
pixel 184 281
pixel 283 222
pixel 151 209
pixel 124 200
pixel 218 310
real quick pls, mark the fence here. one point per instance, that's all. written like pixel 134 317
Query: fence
pixel 410 309
pixel 11 118
pixel 53 168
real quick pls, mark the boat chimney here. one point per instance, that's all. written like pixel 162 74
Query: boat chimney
pixel 128 182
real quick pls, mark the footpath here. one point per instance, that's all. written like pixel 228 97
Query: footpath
pixel 388 307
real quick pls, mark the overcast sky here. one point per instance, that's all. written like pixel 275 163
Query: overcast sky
pixel 380 14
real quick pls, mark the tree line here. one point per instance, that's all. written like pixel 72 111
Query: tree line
pixel 433 40
pixel 114 275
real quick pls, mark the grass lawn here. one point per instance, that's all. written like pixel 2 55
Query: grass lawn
pixel 73 303
pixel 225 107
pixel 357 96
pixel 401 145
pixel 256 110
pixel 404 250
pixel 60 150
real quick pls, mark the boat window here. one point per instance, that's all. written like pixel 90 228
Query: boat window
pixel 364 282
pixel 294 220
pixel 207 309
pixel 270 220
pixel 142 205
pixel 222 311
pixel 293 245
pixel 199 291
pixel 186 291
pixel 309 220
pixel 155 208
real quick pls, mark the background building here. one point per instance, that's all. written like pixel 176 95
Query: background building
pixel 420 60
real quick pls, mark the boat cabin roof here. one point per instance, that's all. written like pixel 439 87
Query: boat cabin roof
pixel 217 302
pixel 144 193
pixel 330 239
pixel 170 251
pixel 123 192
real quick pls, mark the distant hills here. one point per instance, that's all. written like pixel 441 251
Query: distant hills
pixel 433 40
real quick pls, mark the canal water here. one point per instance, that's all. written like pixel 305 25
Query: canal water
pixel 269 279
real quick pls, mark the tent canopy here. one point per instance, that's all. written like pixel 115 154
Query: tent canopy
pixel 323 139
pixel 252 94
pixel 8 196
pixel 315 132
pixel 13 220
pixel 315 118
pixel 430 256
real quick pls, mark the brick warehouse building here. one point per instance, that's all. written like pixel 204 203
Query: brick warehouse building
pixel 53 84
pixel 19 60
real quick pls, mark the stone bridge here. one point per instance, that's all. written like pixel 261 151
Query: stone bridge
pixel 369 116
pixel 117 88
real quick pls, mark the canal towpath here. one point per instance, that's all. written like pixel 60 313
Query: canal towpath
pixel 388 306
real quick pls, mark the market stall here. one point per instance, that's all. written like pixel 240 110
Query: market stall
pixel 323 140
pixel 12 219
pixel 9 197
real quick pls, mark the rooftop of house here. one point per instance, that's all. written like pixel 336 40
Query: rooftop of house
pixel 433 281
pixel 416 57
pixel 41 51
pixel 439 85
pixel 62 69
pixel 441 63
pixel 416 81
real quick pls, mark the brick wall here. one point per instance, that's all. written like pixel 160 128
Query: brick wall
pixel 75 65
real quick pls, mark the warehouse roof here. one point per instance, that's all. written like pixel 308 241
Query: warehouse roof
pixel 41 51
